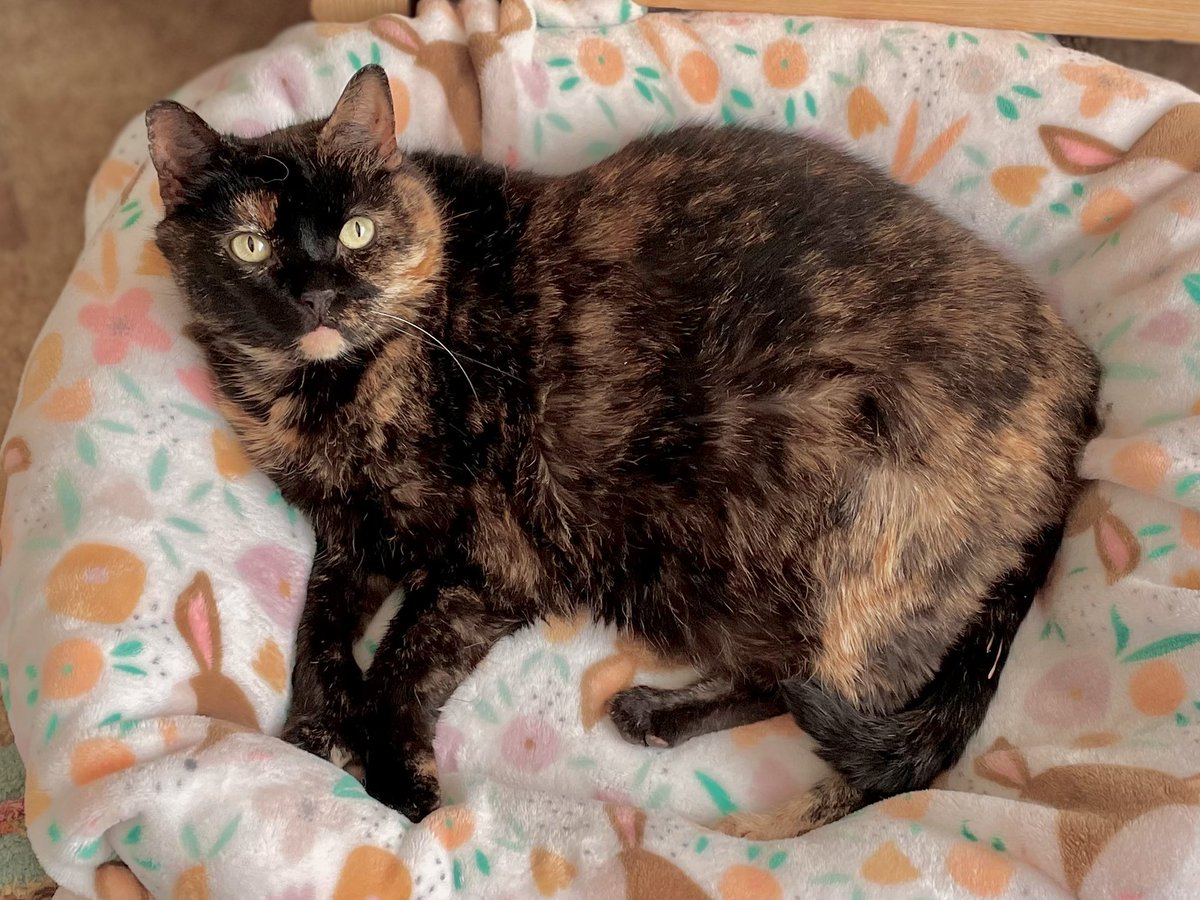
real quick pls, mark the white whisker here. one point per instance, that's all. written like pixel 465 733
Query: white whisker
pixel 437 341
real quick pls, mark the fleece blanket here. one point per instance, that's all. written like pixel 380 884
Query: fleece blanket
pixel 151 580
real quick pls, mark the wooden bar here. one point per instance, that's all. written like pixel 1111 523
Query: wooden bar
pixel 1173 20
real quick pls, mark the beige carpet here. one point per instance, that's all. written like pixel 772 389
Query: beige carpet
pixel 77 70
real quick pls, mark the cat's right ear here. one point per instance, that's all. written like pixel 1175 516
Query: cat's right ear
pixel 181 147
pixel 363 123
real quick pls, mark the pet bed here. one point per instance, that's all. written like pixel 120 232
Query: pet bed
pixel 151 580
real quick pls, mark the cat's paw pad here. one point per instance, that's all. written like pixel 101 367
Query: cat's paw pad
pixel 634 710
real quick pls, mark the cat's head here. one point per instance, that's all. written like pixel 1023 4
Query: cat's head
pixel 311 241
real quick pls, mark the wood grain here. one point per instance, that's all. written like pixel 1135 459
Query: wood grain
pixel 1174 20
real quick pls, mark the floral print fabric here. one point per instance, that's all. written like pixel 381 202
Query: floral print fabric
pixel 150 579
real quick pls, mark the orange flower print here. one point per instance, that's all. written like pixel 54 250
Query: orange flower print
pixel 864 112
pixel 601 61
pixel 699 76
pixel 785 64
pixel 1102 84
pixel 1106 212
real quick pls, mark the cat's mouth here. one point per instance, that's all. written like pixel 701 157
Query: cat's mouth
pixel 323 344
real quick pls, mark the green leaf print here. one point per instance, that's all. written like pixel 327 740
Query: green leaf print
pixel 568 83
pixel 1120 629
pixel 158 468
pixel 741 98
pixel 1152 530
pixel 744 50
pixel 1026 91
pixel 68 502
pixel 225 836
pixel 1186 484
pixel 789 112
pixel 1163 647
pixel 1191 284
pixel 128 648
pixel 349 788
pixel 129 385
pixel 559 122
pixel 85 447
pixel 558 62
pixel 1007 108
pixel 719 796
pixel 184 525
pixel 810 103
pixel 643 90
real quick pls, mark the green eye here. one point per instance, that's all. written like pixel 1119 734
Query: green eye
pixel 250 247
pixel 357 232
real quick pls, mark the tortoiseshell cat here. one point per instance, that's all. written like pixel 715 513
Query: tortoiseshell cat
pixel 730 389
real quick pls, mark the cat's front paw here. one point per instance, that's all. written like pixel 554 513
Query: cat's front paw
pixel 409 787
pixel 637 713
pixel 315 736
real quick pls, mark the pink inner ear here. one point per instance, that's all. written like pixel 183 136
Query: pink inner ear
pixel 1083 154
pixel 1003 764
pixel 198 623
pixel 1114 550
pixel 624 818
pixel 395 33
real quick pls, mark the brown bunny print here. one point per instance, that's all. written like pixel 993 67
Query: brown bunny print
pixel 217 695
pixel 1095 802
pixel 1116 545
pixel 450 64
pixel 648 876
pixel 1172 137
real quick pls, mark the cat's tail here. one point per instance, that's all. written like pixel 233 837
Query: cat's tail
pixel 885 754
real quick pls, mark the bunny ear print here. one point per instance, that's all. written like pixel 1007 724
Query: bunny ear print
pixel 398 33
pixel 1173 137
pixel 629 824
pixel 197 620
pixel 1118 547
pixel 1003 764
pixel 1087 510
pixel 1077 153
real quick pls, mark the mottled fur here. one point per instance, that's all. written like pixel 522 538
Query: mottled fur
pixel 730 389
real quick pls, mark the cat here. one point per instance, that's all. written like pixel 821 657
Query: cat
pixel 730 389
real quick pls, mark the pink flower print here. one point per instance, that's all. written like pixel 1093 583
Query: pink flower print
pixel 979 73
pixel 1172 328
pixel 773 784
pixel 297 892
pixel 447 744
pixel 197 382
pixel 116 326
pixel 278 579
pixel 1072 694
pixel 536 82
pixel 529 744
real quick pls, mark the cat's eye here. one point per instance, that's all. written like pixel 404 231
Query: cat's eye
pixel 250 247
pixel 357 232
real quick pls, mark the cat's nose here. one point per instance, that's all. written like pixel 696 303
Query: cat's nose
pixel 318 301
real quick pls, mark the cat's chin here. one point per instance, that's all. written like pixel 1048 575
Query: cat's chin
pixel 323 344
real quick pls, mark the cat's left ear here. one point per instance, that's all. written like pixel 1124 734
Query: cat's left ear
pixel 363 122
pixel 181 147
